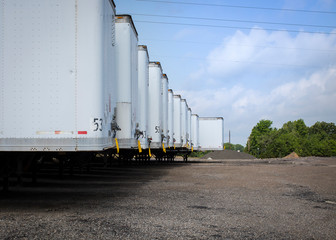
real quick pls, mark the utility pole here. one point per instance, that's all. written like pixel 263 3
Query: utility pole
pixel 229 139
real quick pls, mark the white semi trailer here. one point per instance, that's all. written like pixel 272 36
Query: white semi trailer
pixel 127 82
pixel 195 132
pixel 164 94
pixel 143 85
pixel 57 75
pixel 155 105
pixel 177 121
pixel 189 128
pixel 170 118
pixel 184 116
pixel 211 133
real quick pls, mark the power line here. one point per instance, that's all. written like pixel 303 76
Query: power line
pixel 233 20
pixel 232 27
pixel 242 45
pixel 238 6
pixel 238 61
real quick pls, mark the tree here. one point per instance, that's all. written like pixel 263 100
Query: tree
pixel 234 147
pixel 257 137
pixel 294 134
pixel 317 140
pixel 239 147
pixel 325 130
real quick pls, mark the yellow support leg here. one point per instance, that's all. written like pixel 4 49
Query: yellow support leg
pixel 117 145
pixel 139 147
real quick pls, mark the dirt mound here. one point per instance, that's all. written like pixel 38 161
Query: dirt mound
pixel 292 155
pixel 227 154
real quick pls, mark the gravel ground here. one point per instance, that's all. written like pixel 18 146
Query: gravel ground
pixel 227 154
pixel 217 199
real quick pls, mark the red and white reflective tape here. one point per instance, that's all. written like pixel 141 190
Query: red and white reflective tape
pixel 58 132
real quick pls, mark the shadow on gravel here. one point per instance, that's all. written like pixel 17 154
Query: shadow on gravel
pixel 304 193
pixel 312 161
pixel 53 191
pixel 239 162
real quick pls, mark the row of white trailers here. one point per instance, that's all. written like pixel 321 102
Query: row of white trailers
pixel 75 80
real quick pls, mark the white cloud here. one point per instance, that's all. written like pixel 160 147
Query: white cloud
pixel 257 76
pixel 310 98
pixel 260 54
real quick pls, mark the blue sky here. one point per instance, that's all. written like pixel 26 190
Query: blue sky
pixel 250 60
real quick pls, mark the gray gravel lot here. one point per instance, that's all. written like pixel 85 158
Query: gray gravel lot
pixel 217 199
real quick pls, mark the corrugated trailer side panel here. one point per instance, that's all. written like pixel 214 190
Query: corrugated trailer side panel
pixel 57 72
pixel 96 43
pixel 211 133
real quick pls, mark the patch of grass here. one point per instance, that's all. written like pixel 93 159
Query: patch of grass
pixel 199 154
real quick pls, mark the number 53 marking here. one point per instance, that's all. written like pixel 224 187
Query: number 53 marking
pixel 97 124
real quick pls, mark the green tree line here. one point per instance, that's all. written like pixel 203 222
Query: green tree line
pixel 268 142
pixel 235 147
